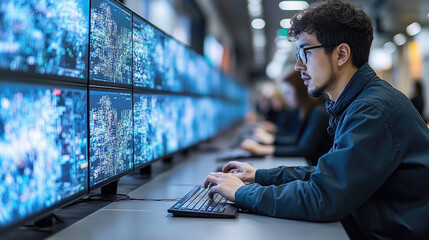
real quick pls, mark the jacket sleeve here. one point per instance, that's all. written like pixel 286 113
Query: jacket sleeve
pixel 282 174
pixel 314 132
pixel 284 140
pixel 363 157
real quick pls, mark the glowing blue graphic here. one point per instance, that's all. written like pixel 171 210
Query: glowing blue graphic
pixel 111 135
pixel 43 142
pixel 149 129
pixel 44 36
pixel 110 43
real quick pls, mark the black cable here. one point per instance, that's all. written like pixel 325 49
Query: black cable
pixel 108 198
pixel 155 199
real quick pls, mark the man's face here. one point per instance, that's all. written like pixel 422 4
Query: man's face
pixel 317 73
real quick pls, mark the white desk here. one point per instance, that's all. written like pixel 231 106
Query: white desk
pixel 150 219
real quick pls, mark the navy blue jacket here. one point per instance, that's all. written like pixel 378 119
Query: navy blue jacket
pixel 311 142
pixel 377 169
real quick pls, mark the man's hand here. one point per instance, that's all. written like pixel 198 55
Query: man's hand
pixel 257 148
pixel 269 127
pixel 226 184
pixel 244 171
pixel 263 136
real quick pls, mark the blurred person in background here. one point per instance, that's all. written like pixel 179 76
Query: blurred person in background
pixel 418 99
pixel 311 141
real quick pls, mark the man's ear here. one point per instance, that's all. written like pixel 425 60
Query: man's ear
pixel 343 54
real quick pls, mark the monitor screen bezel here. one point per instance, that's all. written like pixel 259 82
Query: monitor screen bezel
pixel 188 48
pixel 107 83
pixel 54 77
pixel 126 172
pixel 46 211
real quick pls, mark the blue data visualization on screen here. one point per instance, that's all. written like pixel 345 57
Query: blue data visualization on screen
pixel 172 105
pixel 187 117
pixel 149 128
pixel 110 43
pixel 43 142
pixel 111 135
pixel 45 37
pixel 145 41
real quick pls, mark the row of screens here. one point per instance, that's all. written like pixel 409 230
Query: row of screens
pixel 102 41
pixel 47 154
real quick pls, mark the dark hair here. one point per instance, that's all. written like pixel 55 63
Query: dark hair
pixel 336 22
pixel 305 102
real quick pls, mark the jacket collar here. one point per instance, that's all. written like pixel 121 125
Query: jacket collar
pixel 355 86
pixel 357 83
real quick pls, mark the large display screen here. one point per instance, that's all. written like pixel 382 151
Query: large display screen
pixel 110 43
pixel 45 37
pixel 172 106
pixel 43 142
pixel 149 128
pixel 145 41
pixel 111 135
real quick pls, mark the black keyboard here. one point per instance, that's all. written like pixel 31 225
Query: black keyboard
pixel 236 153
pixel 196 203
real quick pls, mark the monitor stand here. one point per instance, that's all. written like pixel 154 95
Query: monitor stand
pixel 109 193
pixel 208 147
pixel 168 160
pixel 146 170
pixel 110 189
pixel 48 221
pixel 186 152
pixel 47 224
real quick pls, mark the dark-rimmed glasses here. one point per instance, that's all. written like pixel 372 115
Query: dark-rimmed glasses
pixel 301 53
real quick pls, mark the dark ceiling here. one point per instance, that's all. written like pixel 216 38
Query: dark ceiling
pixel 390 17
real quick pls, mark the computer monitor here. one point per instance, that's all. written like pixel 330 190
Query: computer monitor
pixel 206 118
pixel 45 37
pixel 111 135
pixel 110 43
pixel 171 82
pixel 145 40
pixel 149 128
pixel 43 142
pixel 187 122
pixel 172 105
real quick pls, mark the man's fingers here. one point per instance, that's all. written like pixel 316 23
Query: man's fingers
pixel 212 191
pixel 230 165
pixel 211 185
pixel 212 178
pixel 208 180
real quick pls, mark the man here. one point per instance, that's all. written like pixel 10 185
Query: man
pixel 377 172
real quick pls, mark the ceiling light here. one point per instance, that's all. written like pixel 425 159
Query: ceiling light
pixel 414 28
pixel 255 9
pixel 274 70
pixel 258 23
pixel 293 5
pixel 400 39
pixel 380 59
pixel 285 23
pixel 389 47
pixel 259 40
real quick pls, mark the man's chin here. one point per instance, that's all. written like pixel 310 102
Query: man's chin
pixel 314 92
